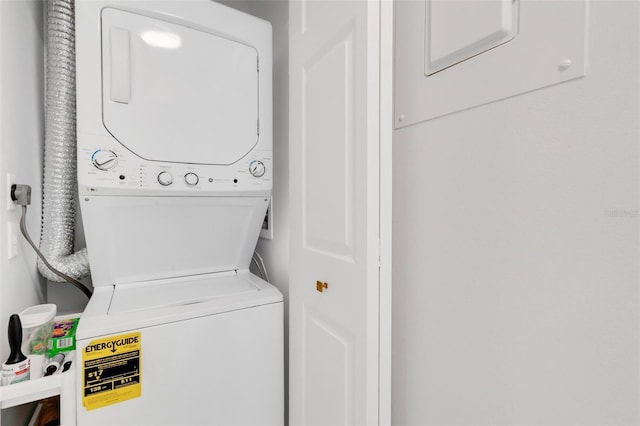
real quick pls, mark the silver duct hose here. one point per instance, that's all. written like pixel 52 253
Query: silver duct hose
pixel 60 184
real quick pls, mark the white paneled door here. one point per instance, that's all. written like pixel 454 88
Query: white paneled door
pixel 335 212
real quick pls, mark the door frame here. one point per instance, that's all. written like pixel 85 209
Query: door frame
pixel 386 211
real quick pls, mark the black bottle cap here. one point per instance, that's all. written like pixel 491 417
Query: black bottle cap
pixel 15 340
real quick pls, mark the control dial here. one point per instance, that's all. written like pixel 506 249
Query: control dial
pixel 191 179
pixel 104 159
pixel 165 178
pixel 257 168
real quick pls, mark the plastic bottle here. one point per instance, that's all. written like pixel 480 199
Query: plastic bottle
pixel 16 369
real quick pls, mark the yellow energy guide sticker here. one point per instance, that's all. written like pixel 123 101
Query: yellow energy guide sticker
pixel 111 370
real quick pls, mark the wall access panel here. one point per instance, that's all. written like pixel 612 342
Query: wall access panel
pixel 455 55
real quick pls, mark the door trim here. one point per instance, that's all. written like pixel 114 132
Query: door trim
pixel 386 210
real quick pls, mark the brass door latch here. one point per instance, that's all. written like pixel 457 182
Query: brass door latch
pixel 320 286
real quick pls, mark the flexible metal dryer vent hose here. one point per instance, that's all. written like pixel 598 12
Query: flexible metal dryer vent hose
pixel 60 184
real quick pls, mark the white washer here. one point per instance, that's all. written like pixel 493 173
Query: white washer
pixel 174 178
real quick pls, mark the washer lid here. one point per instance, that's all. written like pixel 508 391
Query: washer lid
pixel 135 306
pixel 222 289
pixel 178 93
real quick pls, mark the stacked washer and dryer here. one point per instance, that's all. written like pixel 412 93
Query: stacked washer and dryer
pixel 174 179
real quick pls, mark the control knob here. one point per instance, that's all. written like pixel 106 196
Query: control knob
pixel 104 159
pixel 191 179
pixel 165 178
pixel 257 168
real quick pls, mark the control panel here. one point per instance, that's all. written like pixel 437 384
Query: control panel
pixel 113 170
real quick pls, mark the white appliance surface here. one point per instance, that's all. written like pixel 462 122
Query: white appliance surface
pixel 211 350
pixel 116 308
pixel 133 239
pixel 173 99
pixel 174 176
pixel 192 95
pixel 182 291
pixel 222 369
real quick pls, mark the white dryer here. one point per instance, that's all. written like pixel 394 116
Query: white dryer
pixel 174 178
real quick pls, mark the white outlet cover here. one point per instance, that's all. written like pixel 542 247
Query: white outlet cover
pixel 12 240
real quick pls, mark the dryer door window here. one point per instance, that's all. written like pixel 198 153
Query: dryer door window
pixel 175 93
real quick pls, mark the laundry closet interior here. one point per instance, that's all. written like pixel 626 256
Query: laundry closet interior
pixel 501 136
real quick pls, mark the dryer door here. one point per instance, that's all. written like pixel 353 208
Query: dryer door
pixel 176 93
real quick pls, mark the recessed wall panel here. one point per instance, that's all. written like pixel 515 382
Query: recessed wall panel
pixel 327 372
pixel 328 146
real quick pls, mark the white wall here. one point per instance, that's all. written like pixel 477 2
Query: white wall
pixel 21 136
pixel 242 5
pixel 516 250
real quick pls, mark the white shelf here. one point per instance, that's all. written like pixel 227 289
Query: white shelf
pixel 34 390
pixel 30 391
pixel 62 384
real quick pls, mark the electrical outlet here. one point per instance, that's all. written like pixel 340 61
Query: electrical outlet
pixel 11 180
